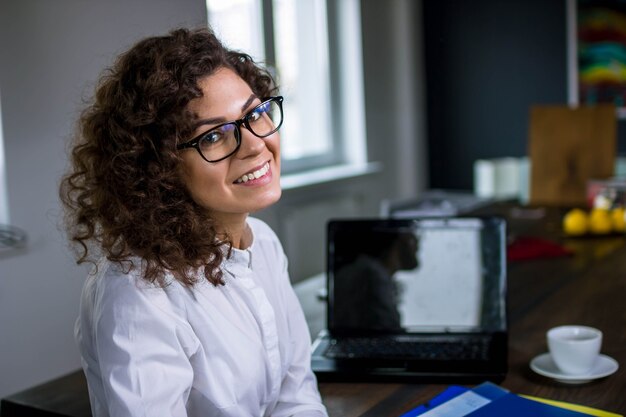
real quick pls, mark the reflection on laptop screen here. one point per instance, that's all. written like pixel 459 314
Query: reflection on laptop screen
pixel 412 276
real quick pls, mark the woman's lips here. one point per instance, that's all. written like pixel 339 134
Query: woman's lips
pixel 256 176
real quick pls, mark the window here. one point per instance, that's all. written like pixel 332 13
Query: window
pixel 4 201
pixel 314 48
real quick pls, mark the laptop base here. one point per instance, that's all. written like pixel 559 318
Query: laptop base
pixel 448 372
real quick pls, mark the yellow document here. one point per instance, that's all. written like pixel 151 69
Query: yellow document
pixel 574 407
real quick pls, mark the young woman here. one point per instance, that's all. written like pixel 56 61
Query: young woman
pixel 189 311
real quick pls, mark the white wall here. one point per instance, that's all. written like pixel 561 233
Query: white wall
pixel 395 93
pixel 50 54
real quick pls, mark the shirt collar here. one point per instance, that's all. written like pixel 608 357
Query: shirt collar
pixel 240 259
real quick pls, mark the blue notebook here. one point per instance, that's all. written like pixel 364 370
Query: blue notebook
pixel 449 393
pixel 486 400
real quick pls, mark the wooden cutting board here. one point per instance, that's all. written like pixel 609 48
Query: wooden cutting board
pixel 568 147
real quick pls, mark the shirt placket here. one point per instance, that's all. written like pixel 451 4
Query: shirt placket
pixel 243 272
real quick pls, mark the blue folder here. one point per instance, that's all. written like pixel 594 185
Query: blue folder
pixel 500 403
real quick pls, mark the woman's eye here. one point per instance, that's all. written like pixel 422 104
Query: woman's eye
pixel 211 138
pixel 254 116
pixel 258 112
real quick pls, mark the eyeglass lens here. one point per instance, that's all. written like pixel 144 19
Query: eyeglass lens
pixel 221 141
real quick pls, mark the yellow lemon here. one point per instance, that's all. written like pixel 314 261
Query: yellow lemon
pixel 618 219
pixel 575 222
pixel 600 221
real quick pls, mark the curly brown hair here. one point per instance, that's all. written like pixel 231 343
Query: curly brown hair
pixel 124 192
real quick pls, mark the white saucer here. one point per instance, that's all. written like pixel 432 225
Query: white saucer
pixel 544 365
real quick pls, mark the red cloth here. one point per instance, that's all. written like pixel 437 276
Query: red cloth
pixel 526 247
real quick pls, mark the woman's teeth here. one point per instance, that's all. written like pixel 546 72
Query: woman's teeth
pixel 254 175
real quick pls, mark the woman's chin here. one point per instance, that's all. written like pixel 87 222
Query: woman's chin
pixel 269 199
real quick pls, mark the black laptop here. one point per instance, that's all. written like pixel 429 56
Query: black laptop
pixel 415 300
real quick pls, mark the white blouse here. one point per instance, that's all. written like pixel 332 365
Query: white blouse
pixel 242 349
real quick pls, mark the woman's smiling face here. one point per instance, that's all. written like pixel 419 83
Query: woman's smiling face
pixel 221 187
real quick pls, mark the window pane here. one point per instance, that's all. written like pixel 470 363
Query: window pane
pixel 301 43
pixel 298 32
pixel 4 201
pixel 239 24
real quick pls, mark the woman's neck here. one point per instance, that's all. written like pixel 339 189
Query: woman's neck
pixel 236 230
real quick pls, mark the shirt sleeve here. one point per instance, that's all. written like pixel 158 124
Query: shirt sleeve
pixel 299 395
pixel 143 365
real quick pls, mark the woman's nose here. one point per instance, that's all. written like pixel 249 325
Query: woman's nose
pixel 251 145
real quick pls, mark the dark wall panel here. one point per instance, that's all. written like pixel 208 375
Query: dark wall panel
pixel 487 62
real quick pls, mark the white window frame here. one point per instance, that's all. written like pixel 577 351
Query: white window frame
pixel 4 198
pixel 347 106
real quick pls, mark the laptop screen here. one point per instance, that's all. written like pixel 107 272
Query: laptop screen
pixel 429 275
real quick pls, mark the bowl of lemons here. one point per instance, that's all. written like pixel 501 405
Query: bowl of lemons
pixel 599 221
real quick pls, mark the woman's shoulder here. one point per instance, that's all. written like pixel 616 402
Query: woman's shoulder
pixel 115 285
pixel 116 300
pixel 110 274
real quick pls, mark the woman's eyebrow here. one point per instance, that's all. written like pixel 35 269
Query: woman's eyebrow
pixel 216 120
pixel 248 102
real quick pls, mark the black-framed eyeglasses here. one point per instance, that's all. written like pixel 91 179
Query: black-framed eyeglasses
pixel 224 140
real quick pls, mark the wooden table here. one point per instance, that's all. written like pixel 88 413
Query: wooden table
pixel 588 288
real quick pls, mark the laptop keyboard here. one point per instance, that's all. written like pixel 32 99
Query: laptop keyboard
pixel 404 348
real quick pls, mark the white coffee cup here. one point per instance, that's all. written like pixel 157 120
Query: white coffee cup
pixel 574 348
